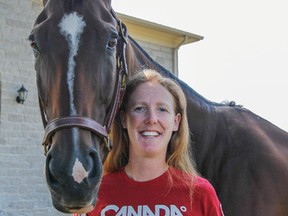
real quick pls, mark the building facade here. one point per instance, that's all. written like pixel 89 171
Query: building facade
pixel 23 190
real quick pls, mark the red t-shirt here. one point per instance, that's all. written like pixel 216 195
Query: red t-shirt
pixel 121 196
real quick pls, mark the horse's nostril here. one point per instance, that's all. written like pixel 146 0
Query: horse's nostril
pixel 49 174
pixel 96 167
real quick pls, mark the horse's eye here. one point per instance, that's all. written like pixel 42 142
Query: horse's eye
pixel 112 43
pixel 33 43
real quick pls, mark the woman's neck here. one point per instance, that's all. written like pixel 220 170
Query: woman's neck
pixel 145 170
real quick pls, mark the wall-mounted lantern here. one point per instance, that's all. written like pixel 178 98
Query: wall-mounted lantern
pixel 22 95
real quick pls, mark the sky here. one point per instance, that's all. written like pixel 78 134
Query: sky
pixel 243 56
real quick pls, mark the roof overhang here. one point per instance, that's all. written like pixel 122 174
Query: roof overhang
pixel 155 33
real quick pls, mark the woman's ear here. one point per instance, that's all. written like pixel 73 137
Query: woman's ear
pixel 177 120
pixel 123 119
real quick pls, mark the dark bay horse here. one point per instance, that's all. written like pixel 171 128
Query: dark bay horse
pixel 82 56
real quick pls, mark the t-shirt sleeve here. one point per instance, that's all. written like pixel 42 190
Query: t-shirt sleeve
pixel 210 202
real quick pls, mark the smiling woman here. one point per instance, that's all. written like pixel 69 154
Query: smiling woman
pixel 150 120
pixel 149 163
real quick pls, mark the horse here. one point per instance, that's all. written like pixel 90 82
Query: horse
pixel 83 56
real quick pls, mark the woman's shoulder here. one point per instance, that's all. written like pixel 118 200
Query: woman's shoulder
pixel 203 185
pixel 202 182
pixel 205 194
pixel 204 191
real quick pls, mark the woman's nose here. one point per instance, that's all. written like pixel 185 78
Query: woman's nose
pixel 151 117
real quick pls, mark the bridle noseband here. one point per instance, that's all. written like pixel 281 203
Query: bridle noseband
pixel 85 122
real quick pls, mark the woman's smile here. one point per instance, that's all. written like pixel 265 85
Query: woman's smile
pixel 150 133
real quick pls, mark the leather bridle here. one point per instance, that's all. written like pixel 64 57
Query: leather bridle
pixel 85 122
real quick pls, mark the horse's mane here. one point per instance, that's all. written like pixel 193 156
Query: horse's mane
pixel 231 104
pixel 155 65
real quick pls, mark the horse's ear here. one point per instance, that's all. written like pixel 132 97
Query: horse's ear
pixel 108 3
pixel 44 2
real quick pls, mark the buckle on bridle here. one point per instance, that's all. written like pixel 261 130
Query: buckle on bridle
pixel 107 143
pixel 46 148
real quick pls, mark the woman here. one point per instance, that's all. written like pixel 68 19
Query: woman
pixel 149 170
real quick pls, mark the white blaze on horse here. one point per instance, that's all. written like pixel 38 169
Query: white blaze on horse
pixel 82 53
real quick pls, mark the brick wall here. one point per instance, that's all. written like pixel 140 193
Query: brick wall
pixel 23 190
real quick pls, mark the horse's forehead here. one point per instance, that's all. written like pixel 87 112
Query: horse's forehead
pixel 72 25
pixel 96 14
pixel 64 6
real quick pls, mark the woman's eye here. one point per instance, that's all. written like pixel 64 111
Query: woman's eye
pixel 139 109
pixel 162 109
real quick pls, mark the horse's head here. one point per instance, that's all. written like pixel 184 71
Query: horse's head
pixel 79 48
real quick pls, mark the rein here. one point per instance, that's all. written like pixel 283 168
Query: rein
pixel 85 122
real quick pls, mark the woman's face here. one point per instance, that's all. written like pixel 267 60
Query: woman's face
pixel 150 120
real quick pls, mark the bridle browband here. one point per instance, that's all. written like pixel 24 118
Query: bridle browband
pixel 85 122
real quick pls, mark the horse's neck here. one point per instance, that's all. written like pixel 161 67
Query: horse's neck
pixel 199 109
pixel 138 58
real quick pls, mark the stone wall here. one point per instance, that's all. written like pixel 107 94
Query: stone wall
pixel 23 190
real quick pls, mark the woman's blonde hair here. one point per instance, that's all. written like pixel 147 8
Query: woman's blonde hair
pixel 178 152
